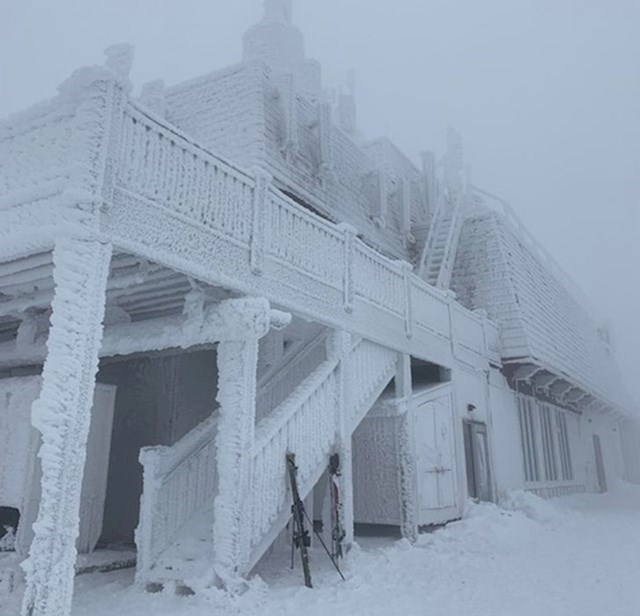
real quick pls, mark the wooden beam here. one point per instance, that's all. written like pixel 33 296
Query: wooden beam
pixel 526 372
pixel 543 381
pixel 213 325
pixel 559 388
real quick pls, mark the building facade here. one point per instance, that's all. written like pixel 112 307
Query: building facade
pixel 200 280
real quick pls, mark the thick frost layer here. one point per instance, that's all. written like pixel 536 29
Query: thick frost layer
pixel 62 415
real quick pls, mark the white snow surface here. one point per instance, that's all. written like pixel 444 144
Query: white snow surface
pixel 576 555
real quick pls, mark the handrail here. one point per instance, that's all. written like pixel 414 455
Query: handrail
pixel 214 193
pixel 283 381
pixel 303 347
pixel 167 467
pixel 190 444
pixel 272 424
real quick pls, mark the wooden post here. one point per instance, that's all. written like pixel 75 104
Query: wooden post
pixel 339 345
pixel 237 370
pixel 63 415
pixel 349 233
pixel 406 450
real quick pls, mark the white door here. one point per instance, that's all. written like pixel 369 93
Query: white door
pixel 19 443
pixel 24 391
pixel 435 453
pixel 94 482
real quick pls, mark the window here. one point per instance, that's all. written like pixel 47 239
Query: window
pixel 545 442
pixel 529 439
pixel 563 446
pixel 548 443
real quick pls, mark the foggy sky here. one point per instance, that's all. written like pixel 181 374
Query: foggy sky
pixel 546 94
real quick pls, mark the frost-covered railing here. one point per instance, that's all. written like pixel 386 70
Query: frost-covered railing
pixel 371 367
pixel 280 385
pixel 160 164
pixel 179 481
pixel 304 424
pixel 307 424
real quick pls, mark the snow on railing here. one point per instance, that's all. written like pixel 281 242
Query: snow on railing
pixel 296 368
pixel 291 230
pixel 465 329
pixel 306 424
pixel 378 279
pixel 370 367
pixel 428 313
pixel 166 167
pixel 178 481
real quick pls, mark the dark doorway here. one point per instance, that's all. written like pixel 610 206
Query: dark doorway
pixel 477 460
pixel 9 519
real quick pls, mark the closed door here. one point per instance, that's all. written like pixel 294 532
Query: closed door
pixel 94 477
pixel 94 482
pixel 477 461
pixel 435 449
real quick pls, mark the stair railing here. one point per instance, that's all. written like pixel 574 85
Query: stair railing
pixel 178 481
pixel 280 383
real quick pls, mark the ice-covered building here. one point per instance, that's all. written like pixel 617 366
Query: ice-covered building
pixel 200 280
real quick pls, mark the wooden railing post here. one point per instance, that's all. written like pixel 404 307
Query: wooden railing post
pixel 339 345
pixel 349 234
pixel 259 215
pixel 407 270
pixel 406 450
pixel 148 510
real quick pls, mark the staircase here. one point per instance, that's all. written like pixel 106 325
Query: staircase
pixel 174 537
pixel 439 253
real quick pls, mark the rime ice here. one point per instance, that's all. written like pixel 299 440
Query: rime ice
pixel 245 275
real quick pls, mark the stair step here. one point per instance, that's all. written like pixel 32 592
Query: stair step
pixel 104 561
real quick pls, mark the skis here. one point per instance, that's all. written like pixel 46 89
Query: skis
pixel 337 531
pixel 301 538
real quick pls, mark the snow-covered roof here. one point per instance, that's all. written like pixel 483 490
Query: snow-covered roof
pixel 543 322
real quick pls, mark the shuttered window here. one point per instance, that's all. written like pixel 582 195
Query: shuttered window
pixel 545 442
pixel 529 439
pixel 548 442
pixel 563 446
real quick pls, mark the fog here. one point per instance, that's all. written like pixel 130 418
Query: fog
pixel 546 94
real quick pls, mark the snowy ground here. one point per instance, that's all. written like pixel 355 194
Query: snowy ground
pixel 577 556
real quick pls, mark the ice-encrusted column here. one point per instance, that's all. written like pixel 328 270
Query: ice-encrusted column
pixel 406 450
pixel 247 321
pixel 62 414
pixel 339 345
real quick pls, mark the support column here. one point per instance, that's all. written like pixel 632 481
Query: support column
pixel 406 450
pixel 247 320
pixel 339 345
pixel 62 414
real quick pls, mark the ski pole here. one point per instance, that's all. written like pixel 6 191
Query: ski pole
pixel 317 534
